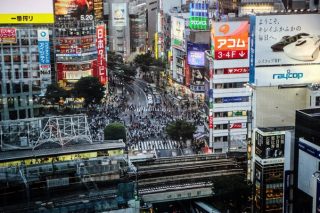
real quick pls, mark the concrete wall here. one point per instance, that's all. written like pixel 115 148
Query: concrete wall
pixel 276 107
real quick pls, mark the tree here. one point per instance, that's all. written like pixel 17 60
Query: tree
pixel 126 73
pixel 180 129
pixel 115 131
pixel 54 93
pixel 114 60
pixel 90 89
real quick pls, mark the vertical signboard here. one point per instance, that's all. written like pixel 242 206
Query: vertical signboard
pixel 101 67
pixel 198 16
pixel 231 40
pixel 177 32
pixel 8 36
pixel 44 59
pixel 252 49
pixel 119 14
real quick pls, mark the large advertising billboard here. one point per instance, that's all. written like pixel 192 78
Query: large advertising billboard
pixel 74 10
pixel 285 39
pixel 196 54
pixel 198 16
pixel 177 32
pixel 8 36
pixel 26 12
pixel 284 75
pixel 119 14
pixel 230 40
pixel 269 144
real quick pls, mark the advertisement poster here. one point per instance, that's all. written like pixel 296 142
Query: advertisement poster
pixel 8 36
pixel 270 145
pixel 230 40
pixel 74 10
pixel 196 54
pixel 101 69
pixel 286 39
pixel 25 12
pixel 177 32
pixel 198 16
pixel 119 14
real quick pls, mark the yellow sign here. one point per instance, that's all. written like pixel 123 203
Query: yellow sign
pixel 27 18
pixel 156 45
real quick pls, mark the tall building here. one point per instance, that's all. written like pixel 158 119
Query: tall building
pixel 25 57
pixel 228 100
pixel 117 16
pixel 152 16
pixel 80 41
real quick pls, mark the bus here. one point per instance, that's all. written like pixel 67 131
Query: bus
pixel 201 207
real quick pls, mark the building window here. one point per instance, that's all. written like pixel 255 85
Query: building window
pixel 318 101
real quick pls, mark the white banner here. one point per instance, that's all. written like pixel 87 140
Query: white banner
pixel 119 14
pixel 286 39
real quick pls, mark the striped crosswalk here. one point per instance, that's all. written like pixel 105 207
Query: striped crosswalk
pixel 150 109
pixel 150 145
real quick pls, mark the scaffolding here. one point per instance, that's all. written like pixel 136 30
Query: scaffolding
pixel 31 133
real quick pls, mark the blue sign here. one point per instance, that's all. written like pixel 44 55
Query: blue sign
pixel 308 149
pixel 318 196
pixel 252 49
pixel 288 75
pixel 235 99
pixel 199 10
pixel 44 52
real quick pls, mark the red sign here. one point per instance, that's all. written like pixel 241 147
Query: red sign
pixel 231 40
pixel 230 54
pixel 101 68
pixel 237 125
pixel 210 121
pixel 8 35
pixel 238 70
pixel 187 72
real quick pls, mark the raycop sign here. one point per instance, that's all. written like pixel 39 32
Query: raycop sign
pixel 288 75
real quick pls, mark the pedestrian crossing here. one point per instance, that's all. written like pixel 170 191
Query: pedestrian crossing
pixel 150 145
pixel 150 109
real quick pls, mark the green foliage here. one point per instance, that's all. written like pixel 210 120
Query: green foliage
pixel 180 129
pixel 90 89
pixel 115 131
pixel 54 93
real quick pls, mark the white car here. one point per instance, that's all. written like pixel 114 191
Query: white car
pixel 150 101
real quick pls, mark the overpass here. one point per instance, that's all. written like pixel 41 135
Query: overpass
pixel 183 177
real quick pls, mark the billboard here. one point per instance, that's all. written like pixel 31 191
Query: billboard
pixel 101 69
pixel 26 12
pixel 269 144
pixel 285 39
pixel 198 16
pixel 119 14
pixel 238 70
pixel 177 32
pixel 74 10
pixel 238 125
pixel 235 99
pixel 230 40
pixel 196 55
pixel 8 36
pixel 284 75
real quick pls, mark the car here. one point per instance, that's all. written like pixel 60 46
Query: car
pixel 150 101
pixel 154 90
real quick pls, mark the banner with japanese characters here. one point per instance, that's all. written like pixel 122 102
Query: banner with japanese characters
pixel 26 12
pixel 101 68
pixel 8 36
pixel 285 39
pixel 230 40
pixel 44 59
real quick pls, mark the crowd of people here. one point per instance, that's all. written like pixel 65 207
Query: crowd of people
pixel 142 125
